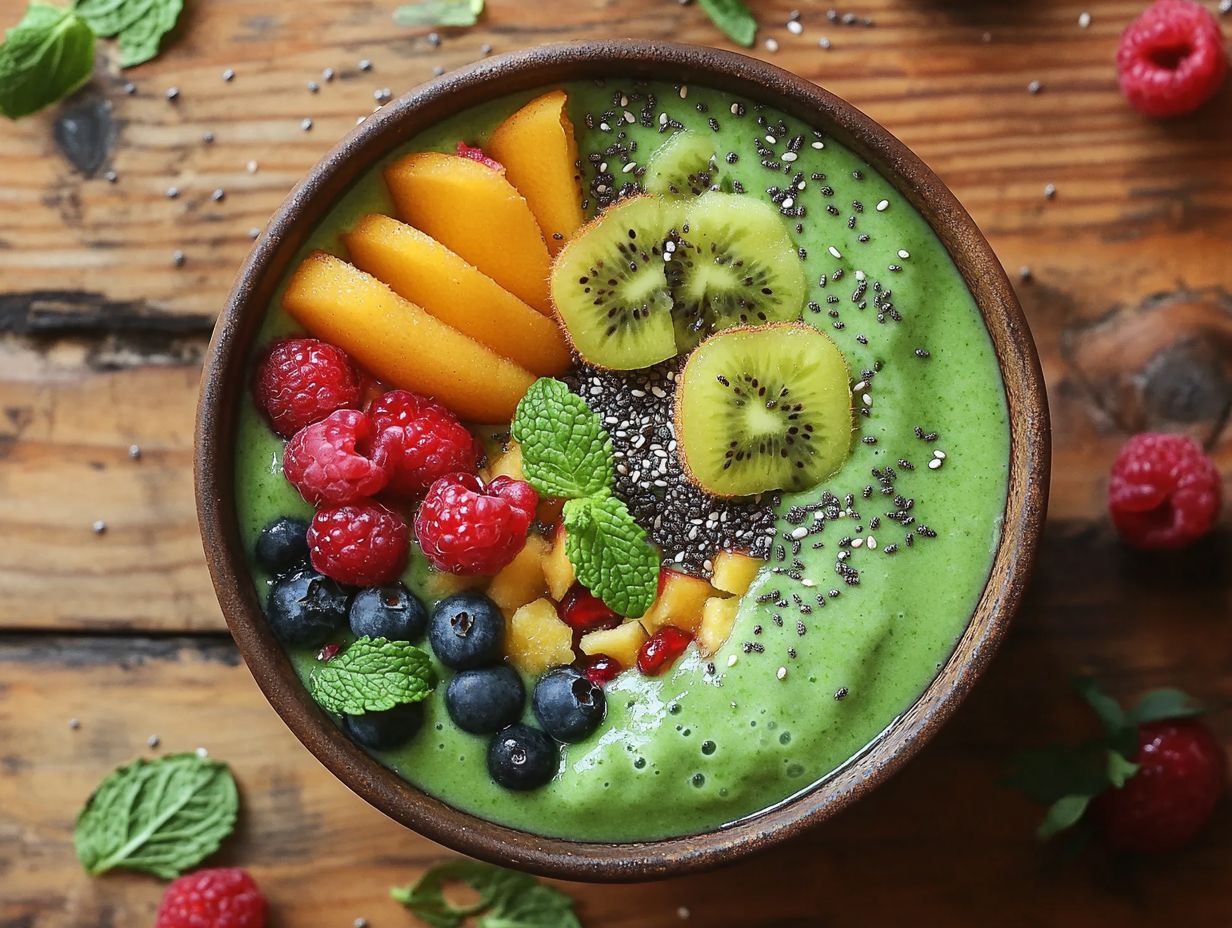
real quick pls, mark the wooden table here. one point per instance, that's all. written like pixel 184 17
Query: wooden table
pixel 101 338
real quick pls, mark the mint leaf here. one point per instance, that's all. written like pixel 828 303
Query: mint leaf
pixel 1108 709
pixel 1119 769
pixel 506 899
pixel 1162 704
pixel 139 24
pixel 1052 772
pixel 439 13
pixel 565 449
pixel 162 817
pixel 1062 814
pixel 44 58
pixel 372 675
pixel 610 554
pixel 734 18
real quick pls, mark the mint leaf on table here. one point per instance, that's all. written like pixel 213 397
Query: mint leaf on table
pixel 372 675
pixel 44 58
pixel 1168 703
pixel 506 899
pixel 610 554
pixel 139 25
pixel 565 449
pixel 162 816
pixel 734 18
pixel 439 13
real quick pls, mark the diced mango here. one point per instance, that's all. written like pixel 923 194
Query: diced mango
pixel 734 571
pixel 621 643
pixel 718 617
pixel 424 271
pixel 679 603
pixel 440 584
pixel 521 580
pixel 538 149
pixel 475 212
pixel 557 567
pixel 537 639
pixel 400 343
pixel 508 464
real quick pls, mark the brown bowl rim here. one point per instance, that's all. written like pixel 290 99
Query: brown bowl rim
pixel 223 384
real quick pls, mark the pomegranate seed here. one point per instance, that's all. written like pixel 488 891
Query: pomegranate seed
pixel 599 668
pixel 584 611
pixel 662 649
pixel 329 652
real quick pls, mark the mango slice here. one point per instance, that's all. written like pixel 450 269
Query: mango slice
pixel 734 571
pixel 718 618
pixel 537 639
pixel 622 642
pixel 521 581
pixel 679 604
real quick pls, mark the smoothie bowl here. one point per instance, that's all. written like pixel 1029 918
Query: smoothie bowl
pixel 616 458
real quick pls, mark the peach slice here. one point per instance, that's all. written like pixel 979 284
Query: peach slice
pixel 475 212
pixel 400 343
pixel 537 147
pixel 427 273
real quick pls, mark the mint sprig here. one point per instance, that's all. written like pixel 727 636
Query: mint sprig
pixel 44 58
pixel 734 18
pixel 506 899
pixel 610 554
pixel 372 675
pixel 439 13
pixel 162 816
pixel 138 25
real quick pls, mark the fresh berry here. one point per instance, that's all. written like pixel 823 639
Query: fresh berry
pixel 567 704
pixel 599 668
pixel 485 700
pixel 1182 770
pixel 661 650
pixel 301 381
pixel 467 630
pixel 221 898
pixel 363 544
pixel 583 611
pixel 1164 492
pixel 522 758
pixel 282 545
pixel 1171 59
pixel 422 440
pixel 465 527
pixel 304 608
pixel 478 154
pixel 383 731
pixel 392 612
pixel 334 462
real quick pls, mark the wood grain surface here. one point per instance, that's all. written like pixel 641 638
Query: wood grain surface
pixel 101 336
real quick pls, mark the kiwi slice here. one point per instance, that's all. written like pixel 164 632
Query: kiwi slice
pixel 685 165
pixel 764 408
pixel 735 264
pixel 610 288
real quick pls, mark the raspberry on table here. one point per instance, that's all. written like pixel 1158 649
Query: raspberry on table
pixel 334 461
pixel 1182 771
pixel 361 544
pixel 221 898
pixel 1163 492
pixel 465 527
pixel 1172 58
pixel 300 381
pixel 422 440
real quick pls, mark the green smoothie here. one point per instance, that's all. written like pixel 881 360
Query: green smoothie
pixel 912 518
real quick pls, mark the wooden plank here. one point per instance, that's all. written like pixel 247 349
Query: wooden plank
pixel 324 857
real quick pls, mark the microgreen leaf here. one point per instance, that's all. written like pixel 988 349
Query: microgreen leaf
pixel 610 554
pixel 734 18
pixel 44 58
pixel 565 449
pixel 372 675
pixel 506 899
pixel 162 817
pixel 439 13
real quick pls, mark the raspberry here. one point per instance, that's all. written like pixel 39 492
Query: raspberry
pixel 1164 492
pixel 1171 59
pixel 423 441
pixel 222 898
pixel 363 544
pixel 464 527
pixel 301 381
pixel 1181 773
pixel 328 461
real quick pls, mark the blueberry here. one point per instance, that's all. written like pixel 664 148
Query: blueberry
pixel 467 630
pixel 391 612
pixel 485 700
pixel 283 544
pixel 382 731
pixel 521 757
pixel 567 704
pixel 304 608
